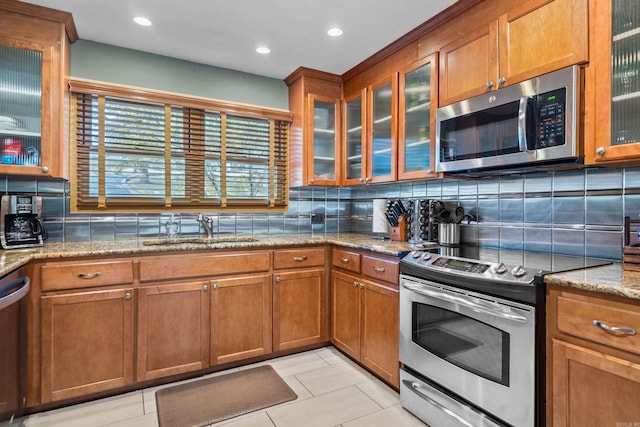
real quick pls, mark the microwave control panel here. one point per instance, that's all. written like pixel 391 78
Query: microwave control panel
pixel 551 118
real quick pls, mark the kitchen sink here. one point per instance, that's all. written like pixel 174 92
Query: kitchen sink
pixel 199 240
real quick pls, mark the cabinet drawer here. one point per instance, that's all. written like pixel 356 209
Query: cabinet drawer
pixel 576 316
pixel 297 258
pixel 346 259
pixel 186 266
pixel 380 269
pixel 70 275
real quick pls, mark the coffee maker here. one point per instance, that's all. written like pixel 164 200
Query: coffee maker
pixel 20 222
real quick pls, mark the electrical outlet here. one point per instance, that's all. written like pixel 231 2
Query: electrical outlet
pixel 317 218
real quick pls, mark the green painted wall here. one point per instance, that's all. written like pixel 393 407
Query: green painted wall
pixel 97 61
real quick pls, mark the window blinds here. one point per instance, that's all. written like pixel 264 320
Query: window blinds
pixel 146 151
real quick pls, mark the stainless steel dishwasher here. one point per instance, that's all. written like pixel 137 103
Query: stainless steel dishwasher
pixel 13 287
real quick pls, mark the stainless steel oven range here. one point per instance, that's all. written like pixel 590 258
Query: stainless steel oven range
pixel 472 335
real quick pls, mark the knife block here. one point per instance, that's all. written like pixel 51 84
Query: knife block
pixel 401 232
pixel 631 247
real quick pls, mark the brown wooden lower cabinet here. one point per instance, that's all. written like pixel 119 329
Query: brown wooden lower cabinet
pixel 240 318
pixel 173 329
pixel 300 315
pixel 346 313
pixel 364 319
pixel 593 372
pixel 87 342
pixel 591 388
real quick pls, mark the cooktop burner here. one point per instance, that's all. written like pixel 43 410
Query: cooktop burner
pixel 510 274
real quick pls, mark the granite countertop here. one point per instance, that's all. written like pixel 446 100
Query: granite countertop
pixel 608 279
pixel 16 258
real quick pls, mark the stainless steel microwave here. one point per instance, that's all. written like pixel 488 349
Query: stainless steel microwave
pixel 533 121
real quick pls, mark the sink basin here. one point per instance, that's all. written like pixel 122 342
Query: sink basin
pixel 199 240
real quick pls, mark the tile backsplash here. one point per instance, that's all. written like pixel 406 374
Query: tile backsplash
pixel 577 212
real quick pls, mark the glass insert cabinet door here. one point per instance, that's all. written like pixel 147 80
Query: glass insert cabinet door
pixel 416 113
pixel 354 152
pixel 325 158
pixel 625 72
pixel 382 126
pixel 20 106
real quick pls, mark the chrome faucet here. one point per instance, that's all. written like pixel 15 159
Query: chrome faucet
pixel 207 223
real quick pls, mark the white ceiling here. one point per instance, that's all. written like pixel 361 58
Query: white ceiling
pixel 226 33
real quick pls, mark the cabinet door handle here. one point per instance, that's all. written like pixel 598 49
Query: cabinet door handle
pixel 127 295
pixel 205 288
pixel 45 169
pixel 361 285
pixel 600 151
pixel 378 269
pixel 489 85
pixel 299 258
pixel 88 275
pixel 278 279
pixel 215 286
pixel 502 80
pixel 623 331
pixel 344 260
pixel 355 284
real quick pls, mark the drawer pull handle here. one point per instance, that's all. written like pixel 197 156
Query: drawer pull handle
pixel 88 275
pixel 299 258
pixel 624 331
pixel 378 269
pixel 345 260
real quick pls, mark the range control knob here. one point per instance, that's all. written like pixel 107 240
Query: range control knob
pixel 415 254
pixel 519 271
pixel 500 268
pixel 427 256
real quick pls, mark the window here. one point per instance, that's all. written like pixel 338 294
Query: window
pixel 146 151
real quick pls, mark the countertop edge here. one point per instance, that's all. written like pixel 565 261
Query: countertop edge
pixel 11 260
pixel 609 279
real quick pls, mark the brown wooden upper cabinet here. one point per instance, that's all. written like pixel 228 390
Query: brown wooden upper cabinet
pixel 34 59
pixel 613 83
pixel 417 105
pixel 354 152
pixel 371 120
pixel 537 37
pixel 314 100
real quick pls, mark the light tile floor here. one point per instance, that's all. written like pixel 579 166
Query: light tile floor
pixel 332 391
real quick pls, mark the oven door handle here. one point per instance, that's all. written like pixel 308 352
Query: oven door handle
pixel 415 387
pixel 469 304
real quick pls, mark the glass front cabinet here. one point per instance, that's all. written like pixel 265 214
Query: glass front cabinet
pixel 354 152
pixel 613 83
pixel 314 101
pixel 417 109
pixel 382 126
pixel 370 134
pixel 34 66
pixel 324 162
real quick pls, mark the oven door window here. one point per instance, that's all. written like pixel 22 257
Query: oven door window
pixel 463 341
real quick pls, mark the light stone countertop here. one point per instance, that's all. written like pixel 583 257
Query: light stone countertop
pixel 609 279
pixel 12 259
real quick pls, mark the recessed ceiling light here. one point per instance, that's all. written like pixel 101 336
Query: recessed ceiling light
pixel 263 50
pixel 140 20
pixel 335 32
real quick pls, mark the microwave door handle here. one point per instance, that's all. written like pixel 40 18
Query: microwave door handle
pixel 523 118
pixel 465 302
